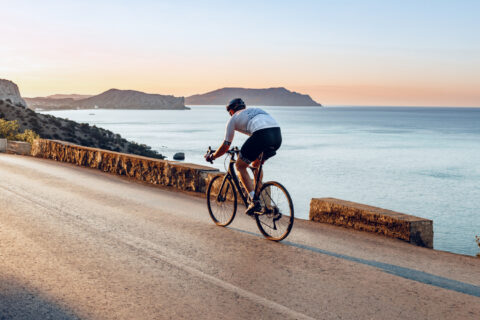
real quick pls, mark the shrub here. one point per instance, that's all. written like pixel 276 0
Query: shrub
pixel 143 150
pixel 27 136
pixel 9 130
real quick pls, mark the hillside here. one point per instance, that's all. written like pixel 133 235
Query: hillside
pixel 110 99
pixel 254 97
pixel 50 127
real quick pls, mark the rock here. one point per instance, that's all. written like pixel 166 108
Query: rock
pixel 9 92
pixel 179 156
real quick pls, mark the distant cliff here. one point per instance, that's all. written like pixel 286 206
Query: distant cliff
pixel 111 99
pixel 9 92
pixel 253 97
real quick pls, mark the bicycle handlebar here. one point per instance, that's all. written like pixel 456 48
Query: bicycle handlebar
pixel 231 152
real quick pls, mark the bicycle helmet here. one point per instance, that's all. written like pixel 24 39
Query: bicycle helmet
pixel 236 104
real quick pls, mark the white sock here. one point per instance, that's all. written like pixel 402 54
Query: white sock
pixel 252 194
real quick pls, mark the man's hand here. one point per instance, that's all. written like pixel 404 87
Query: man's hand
pixel 209 157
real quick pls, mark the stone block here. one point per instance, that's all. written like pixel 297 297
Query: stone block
pixel 3 145
pixel 19 147
pixel 416 230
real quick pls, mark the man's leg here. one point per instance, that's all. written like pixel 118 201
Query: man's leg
pixel 256 165
pixel 248 184
pixel 244 176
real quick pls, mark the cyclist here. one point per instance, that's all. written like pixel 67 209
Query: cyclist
pixel 265 136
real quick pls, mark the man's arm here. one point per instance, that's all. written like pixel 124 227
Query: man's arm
pixel 221 151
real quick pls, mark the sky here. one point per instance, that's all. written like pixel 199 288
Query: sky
pixel 382 52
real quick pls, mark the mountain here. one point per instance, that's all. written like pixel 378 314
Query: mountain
pixel 9 92
pixel 110 99
pixel 130 99
pixel 254 97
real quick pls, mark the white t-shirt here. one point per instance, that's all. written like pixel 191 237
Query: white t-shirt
pixel 248 121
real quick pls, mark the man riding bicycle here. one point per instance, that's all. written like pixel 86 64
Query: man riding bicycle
pixel 265 137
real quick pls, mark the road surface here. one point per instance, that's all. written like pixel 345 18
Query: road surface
pixel 76 243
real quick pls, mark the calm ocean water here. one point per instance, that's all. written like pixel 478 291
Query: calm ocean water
pixel 420 161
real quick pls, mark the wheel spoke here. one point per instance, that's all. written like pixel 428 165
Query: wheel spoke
pixel 276 221
pixel 221 201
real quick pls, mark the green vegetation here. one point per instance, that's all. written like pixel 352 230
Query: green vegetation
pixel 9 130
pixel 143 150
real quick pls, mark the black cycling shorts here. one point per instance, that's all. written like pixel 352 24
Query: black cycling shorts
pixel 265 140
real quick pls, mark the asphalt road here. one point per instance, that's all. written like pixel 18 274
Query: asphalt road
pixel 78 243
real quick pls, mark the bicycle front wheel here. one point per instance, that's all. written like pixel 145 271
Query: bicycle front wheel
pixel 221 201
pixel 275 221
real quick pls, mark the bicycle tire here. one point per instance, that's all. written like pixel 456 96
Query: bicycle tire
pixel 277 211
pixel 222 207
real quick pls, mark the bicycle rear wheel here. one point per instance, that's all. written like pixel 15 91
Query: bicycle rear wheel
pixel 275 221
pixel 221 201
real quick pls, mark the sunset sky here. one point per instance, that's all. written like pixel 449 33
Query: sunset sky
pixel 423 52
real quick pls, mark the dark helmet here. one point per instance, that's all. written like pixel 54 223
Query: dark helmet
pixel 236 104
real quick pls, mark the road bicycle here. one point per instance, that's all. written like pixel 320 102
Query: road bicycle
pixel 275 216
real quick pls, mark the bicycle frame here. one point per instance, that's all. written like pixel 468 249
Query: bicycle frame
pixel 275 217
pixel 231 173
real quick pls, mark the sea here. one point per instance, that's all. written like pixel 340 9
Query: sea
pixel 418 161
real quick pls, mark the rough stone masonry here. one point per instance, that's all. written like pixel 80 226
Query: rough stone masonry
pixel 362 217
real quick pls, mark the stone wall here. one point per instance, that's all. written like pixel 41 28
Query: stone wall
pixel 18 147
pixel 362 217
pixel 182 176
